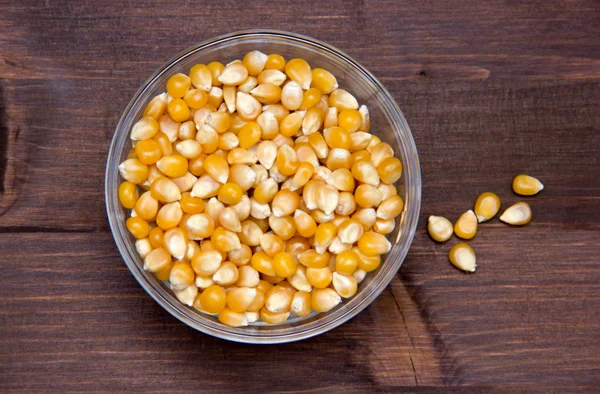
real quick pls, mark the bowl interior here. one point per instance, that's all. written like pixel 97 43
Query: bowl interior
pixel 387 123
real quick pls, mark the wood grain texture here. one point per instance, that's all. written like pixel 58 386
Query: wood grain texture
pixel 490 89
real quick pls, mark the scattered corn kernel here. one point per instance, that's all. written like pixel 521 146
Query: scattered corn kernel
pixel 462 257
pixel 486 206
pixel 517 214
pixel 526 185
pixel 466 225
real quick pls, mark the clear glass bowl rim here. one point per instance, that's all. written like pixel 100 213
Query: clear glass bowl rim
pixel 411 174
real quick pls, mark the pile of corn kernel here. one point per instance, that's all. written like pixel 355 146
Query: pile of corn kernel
pixel 263 192
pixel 486 207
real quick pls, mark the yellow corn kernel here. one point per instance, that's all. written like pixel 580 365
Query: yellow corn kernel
pixel 178 110
pixel 347 262
pixel 278 110
pixel 517 214
pixel 380 152
pixel 526 185
pixel 486 206
pixel 168 127
pixel 298 281
pixel 196 98
pixel 303 174
pixel 156 260
pixel 311 258
pixel 174 166
pixel 386 190
pixel 273 279
pixel 241 256
pixel 217 168
pixel 169 215
pixel 131 154
pixel 350 231
pixel 299 71
pixel 226 275
pixel 232 319
pixel 146 207
pixel 344 285
pixel 275 62
pixel 346 204
pixel 200 225
pixel 349 120
pixel 324 236
pixel 191 204
pixel 278 299
pixel 267 93
pixel 138 227
pixel 285 203
pixel 327 198
pixel 192 249
pixel 202 282
pixel 248 277
pixel 319 278
pixel 323 300
pixel 156 107
pixel 255 62
pixel 297 245
pixel 205 187
pixel 343 180
pixel 202 76
pixel 189 149
pixel 201 114
pixel 306 153
pixel 230 193
pixel 240 299
pixel 372 244
pixel 164 273
pixel 128 194
pixel 228 218
pixel 365 119
pixel 359 141
pixel 331 118
pixel 287 160
pixel 266 153
pixel 187 131
pixel 313 120
pixel 323 80
pixel 271 76
pixel 249 135
pixel 384 226
pixel 339 158
pixel 310 98
pixel 367 263
pixel 291 124
pixel 242 175
pixel 271 244
pixel 365 172
pixel 241 156
pixel 390 170
pixel 133 171
pixel 284 227
pixel 301 305
pixel 317 142
pixel 243 207
pixel 187 295
pixel 273 318
pixel 233 74
pixel 249 84
pixel 262 263
pixel 284 265
pixel 213 208
pixel 258 210
pixel 321 217
pixel 215 69
pixel 342 100
pixel 265 191
pixel 305 224
pixel 367 196
pixel 182 275
pixel 292 96
pixel 375 141
pixel 207 246
pixel 156 237
pixel 268 124
pixel 336 137
pixel 215 98
pixel 390 207
pixel 218 121
pixel 361 155
pixel 463 257
pixel 175 241
pixel 466 225
pixel 206 262
pixel 144 129
pixel 213 299
pixel 165 190
pixel 208 138
pixel 228 141
pixel 225 240
pixel 178 85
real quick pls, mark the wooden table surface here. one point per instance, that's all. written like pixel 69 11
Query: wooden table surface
pixel 490 89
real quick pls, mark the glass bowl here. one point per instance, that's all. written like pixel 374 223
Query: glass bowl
pixel 387 122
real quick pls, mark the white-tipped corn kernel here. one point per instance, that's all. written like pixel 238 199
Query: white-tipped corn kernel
pixel 143 247
pixel 466 225
pixel 440 228
pixel 463 257
pixel 526 185
pixel 517 214
pixel 187 295
pixel 345 286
